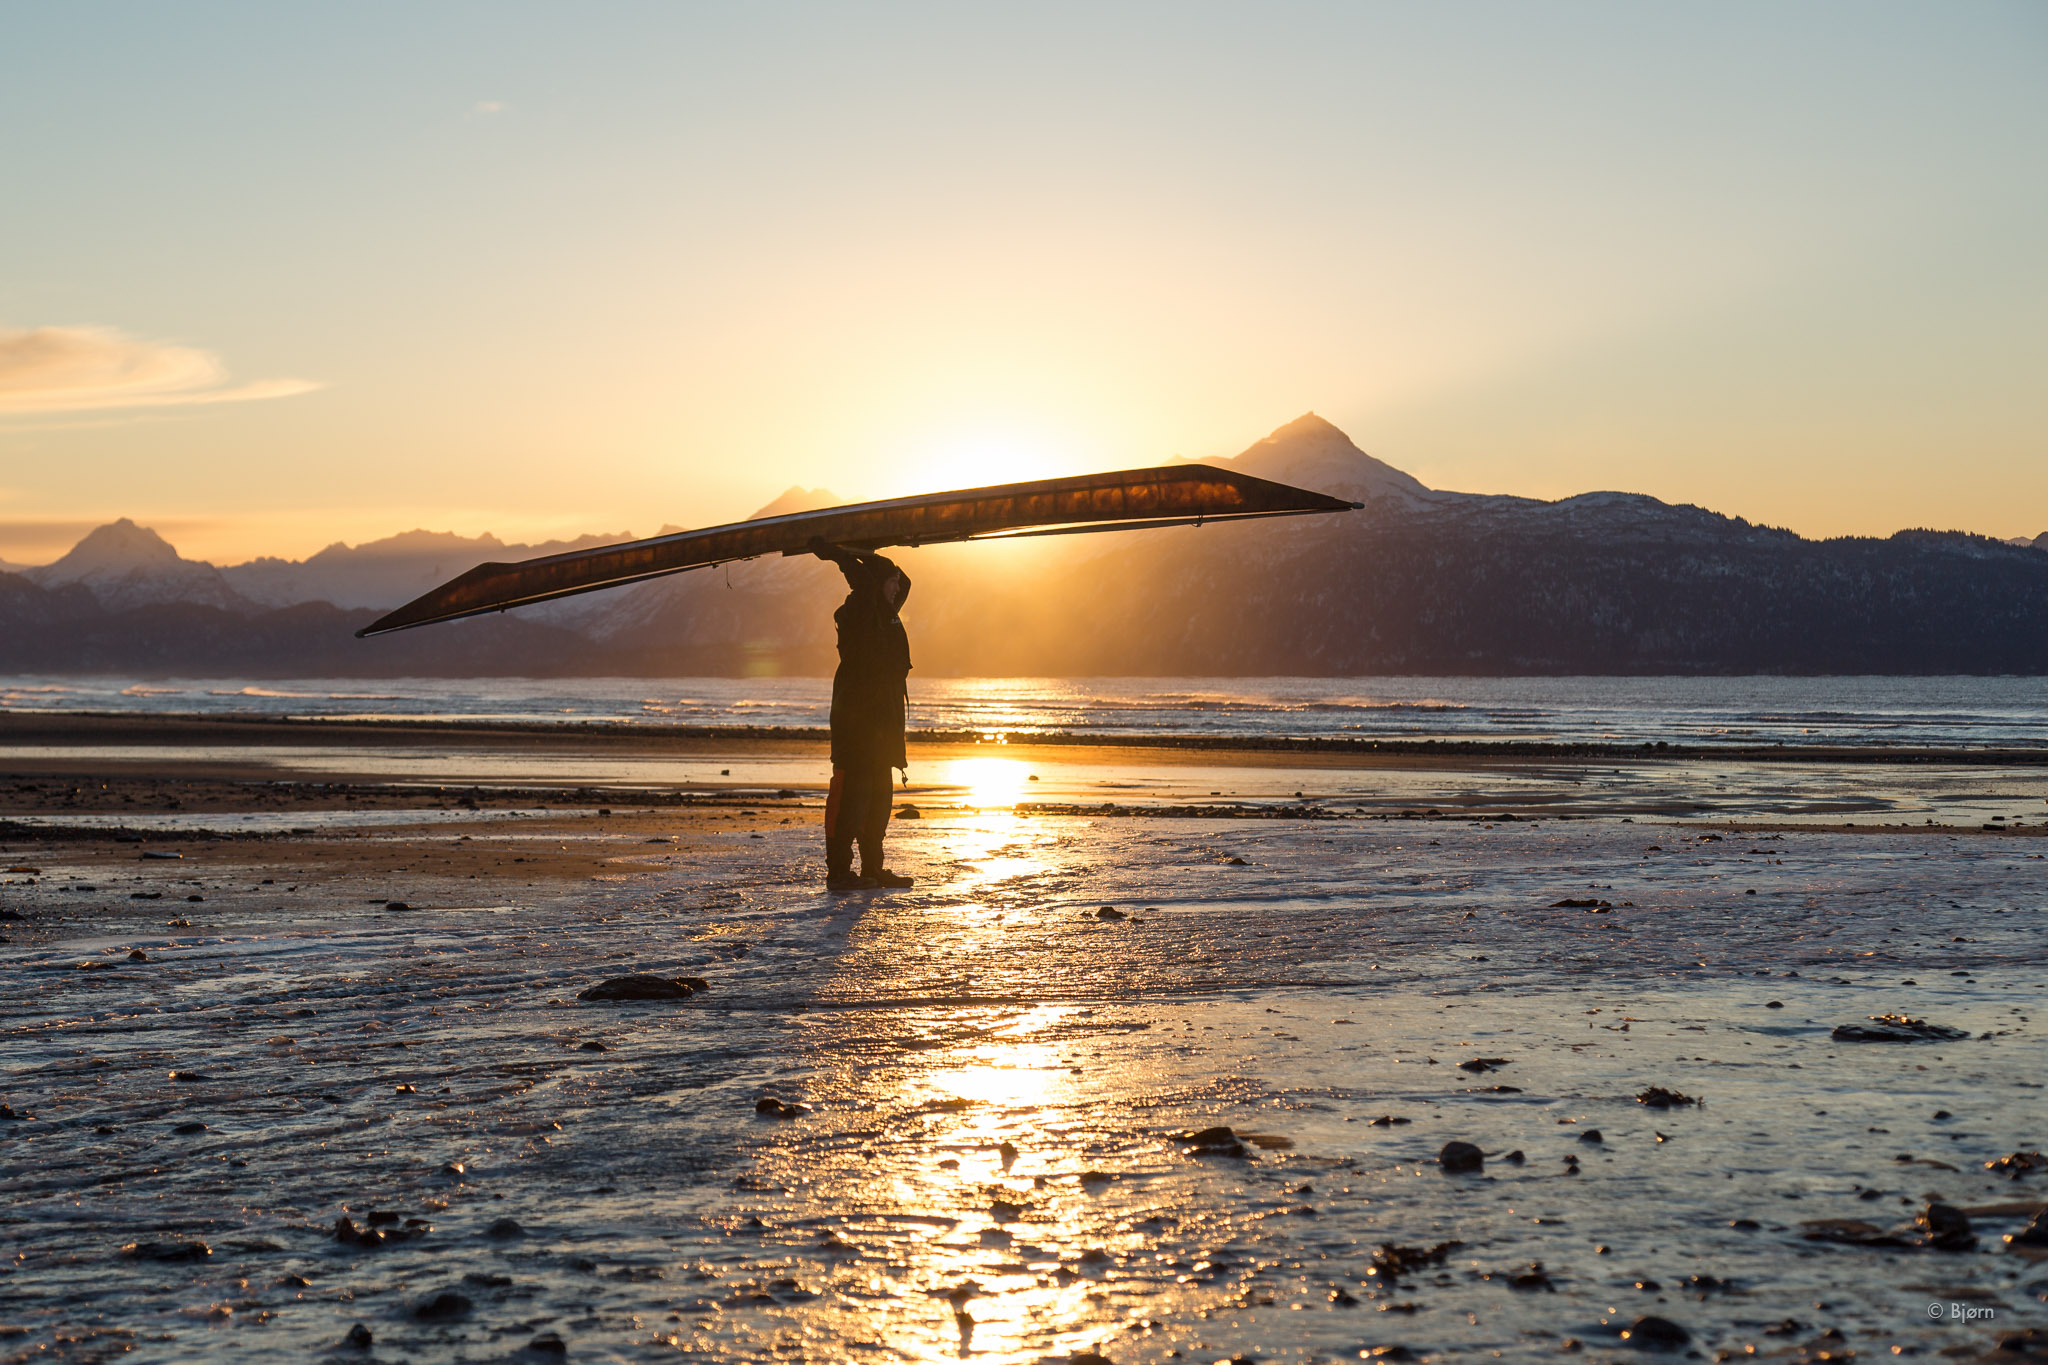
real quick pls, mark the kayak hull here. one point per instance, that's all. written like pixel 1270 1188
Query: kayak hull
pixel 1128 499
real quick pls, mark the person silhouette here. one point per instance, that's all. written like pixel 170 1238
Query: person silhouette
pixel 868 692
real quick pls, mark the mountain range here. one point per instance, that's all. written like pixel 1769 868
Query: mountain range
pixel 1419 581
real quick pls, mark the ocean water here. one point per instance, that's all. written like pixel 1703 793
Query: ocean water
pixel 1965 712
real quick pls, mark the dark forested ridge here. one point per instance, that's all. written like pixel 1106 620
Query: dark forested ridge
pixel 1601 593
pixel 1419 581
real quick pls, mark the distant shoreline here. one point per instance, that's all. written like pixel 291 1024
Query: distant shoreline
pixel 95 729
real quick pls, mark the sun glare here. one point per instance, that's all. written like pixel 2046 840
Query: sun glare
pixel 985 782
pixel 979 459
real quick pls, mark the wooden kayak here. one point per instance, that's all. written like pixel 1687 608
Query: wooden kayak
pixel 1127 500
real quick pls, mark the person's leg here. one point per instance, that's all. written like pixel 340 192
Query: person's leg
pixel 839 828
pixel 879 788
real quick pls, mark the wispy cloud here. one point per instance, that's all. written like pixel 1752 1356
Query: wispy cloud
pixel 86 369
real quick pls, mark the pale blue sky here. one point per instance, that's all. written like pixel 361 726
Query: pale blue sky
pixel 548 268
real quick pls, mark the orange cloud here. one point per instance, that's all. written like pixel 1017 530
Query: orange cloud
pixel 84 369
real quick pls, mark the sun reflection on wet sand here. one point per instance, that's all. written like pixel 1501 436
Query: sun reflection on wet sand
pixel 976 1214
pixel 987 1150
pixel 987 782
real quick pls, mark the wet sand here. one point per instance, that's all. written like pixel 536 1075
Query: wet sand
pixel 309 764
pixel 371 1007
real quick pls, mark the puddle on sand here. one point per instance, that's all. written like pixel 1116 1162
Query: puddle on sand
pixel 1338 976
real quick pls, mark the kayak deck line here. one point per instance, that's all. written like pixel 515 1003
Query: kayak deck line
pixel 1123 500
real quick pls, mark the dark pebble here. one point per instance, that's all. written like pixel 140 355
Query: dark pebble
pixel 443 1306
pixel 189 1128
pixel 1217 1141
pixel 1655 1334
pixel 1897 1028
pixel 779 1109
pixel 2034 1234
pixel 167 1251
pixel 1459 1158
pixel 503 1228
pixel 137 955
pixel 348 1234
pixel 547 1343
pixel 358 1337
pixel 1946 1227
pixel 2018 1164
pixel 1110 912
pixel 396 905
pixel 594 1046
pixel 1657 1097
pixel 1591 1135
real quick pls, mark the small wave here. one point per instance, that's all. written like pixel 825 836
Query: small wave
pixel 259 692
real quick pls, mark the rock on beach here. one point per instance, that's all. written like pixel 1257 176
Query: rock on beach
pixel 644 986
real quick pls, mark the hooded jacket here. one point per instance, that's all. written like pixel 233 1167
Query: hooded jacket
pixel 868 690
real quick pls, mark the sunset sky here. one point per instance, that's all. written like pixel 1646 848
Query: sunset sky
pixel 273 276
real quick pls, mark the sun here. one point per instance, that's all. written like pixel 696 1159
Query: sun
pixel 978 459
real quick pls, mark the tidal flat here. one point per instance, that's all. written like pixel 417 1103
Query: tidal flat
pixel 327 1069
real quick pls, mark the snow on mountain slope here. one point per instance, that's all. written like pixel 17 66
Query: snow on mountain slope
pixel 668 603
pixel 385 573
pixel 124 565
pixel 1311 453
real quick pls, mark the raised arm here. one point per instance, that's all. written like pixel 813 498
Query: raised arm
pixel 863 568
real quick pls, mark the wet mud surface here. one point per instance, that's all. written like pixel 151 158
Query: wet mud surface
pixel 990 1093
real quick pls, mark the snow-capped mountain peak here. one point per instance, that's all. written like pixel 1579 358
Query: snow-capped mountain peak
pixel 124 565
pixel 1311 453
